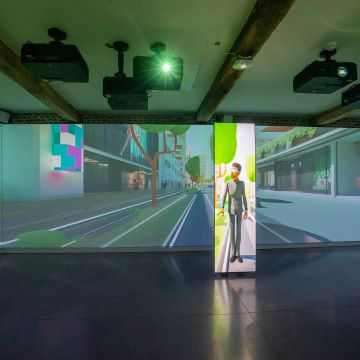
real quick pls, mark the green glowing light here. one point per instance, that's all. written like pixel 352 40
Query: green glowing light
pixel 166 67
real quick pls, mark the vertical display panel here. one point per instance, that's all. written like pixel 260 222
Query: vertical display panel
pixel 235 198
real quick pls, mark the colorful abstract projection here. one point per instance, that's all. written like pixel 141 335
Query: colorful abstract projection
pixel 67 147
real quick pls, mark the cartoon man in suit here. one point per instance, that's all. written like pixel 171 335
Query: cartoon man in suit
pixel 236 191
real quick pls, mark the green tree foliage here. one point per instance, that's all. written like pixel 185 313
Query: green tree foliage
pixel 175 129
pixel 192 166
pixel 250 168
pixel 180 129
pixel 225 143
pixel 156 128
pixel 288 138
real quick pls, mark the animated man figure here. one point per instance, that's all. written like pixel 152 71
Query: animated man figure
pixel 236 190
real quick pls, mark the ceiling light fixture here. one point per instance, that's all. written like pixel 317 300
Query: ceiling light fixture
pixel 243 62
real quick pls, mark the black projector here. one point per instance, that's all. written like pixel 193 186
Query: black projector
pixel 159 72
pixel 325 77
pixel 125 93
pixel 351 97
pixel 55 61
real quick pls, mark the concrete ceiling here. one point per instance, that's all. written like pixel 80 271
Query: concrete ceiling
pixel 308 27
pixel 190 29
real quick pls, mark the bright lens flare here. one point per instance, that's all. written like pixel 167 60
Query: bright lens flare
pixel 166 67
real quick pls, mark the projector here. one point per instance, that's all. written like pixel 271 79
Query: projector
pixel 351 97
pixel 325 77
pixel 55 61
pixel 159 72
pixel 125 93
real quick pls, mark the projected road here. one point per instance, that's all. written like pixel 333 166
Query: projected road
pixel 180 218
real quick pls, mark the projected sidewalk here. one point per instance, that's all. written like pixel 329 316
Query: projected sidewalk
pixel 306 218
pixel 181 218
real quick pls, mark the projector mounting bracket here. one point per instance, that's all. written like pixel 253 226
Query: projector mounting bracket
pixel 121 47
pixel 57 35
pixel 158 48
pixel 327 54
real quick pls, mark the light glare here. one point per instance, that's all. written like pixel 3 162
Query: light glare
pixel 166 67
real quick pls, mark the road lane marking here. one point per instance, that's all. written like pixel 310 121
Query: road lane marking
pixel 273 232
pixel 168 239
pixel 71 242
pixel 175 237
pixel 108 213
pixel 8 242
pixel 140 223
pixel 61 215
pixel 211 205
pixel 101 227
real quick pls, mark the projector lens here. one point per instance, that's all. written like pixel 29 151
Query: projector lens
pixel 342 71
pixel 166 67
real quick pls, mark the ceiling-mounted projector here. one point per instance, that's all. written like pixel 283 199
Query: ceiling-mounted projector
pixel 55 61
pixel 325 77
pixel 122 92
pixel 159 72
pixel 351 97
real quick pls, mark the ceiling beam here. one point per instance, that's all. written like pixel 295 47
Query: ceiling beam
pixel 11 66
pixel 334 114
pixel 263 20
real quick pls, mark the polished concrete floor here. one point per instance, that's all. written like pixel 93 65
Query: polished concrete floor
pixel 303 304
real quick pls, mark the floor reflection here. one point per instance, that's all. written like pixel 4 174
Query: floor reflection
pixel 235 334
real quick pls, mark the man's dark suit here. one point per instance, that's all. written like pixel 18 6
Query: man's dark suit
pixel 236 191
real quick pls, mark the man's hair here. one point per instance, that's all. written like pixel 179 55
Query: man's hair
pixel 237 165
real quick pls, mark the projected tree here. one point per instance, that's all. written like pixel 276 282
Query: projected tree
pixel 225 145
pixel 174 129
pixel 250 168
pixel 192 167
pixel 225 148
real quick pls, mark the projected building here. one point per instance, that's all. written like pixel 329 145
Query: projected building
pixel 73 160
pixel 202 166
pixel 171 166
pixel 49 157
pixel 309 160
pixel 113 161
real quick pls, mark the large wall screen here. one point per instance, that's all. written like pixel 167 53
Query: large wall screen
pixel 106 186
pixel 308 185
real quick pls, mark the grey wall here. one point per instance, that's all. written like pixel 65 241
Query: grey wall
pixel 348 166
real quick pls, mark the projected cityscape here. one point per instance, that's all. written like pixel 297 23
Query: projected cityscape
pixel 308 184
pixel 107 186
